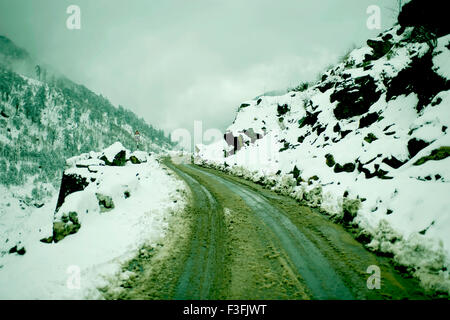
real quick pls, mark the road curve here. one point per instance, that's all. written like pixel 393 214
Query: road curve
pixel 317 273
pixel 237 240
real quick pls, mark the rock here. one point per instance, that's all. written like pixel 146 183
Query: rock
pixel 368 119
pixel 418 13
pixel 436 154
pixel 348 167
pixel 330 160
pixel 370 138
pixel 419 78
pixel 89 162
pixel 319 129
pixel 38 204
pixel 13 250
pixel 105 202
pixel 134 160
pixel 337 127
pixel 70 183
pixel 393 162
pixel 387 37
pixel 119 159
pixel 138 157
pixel 73 217
pixel 244 105
pixel 310 119
pixel 326 86
pixel 355 97
pixel 282 109
pixel 59 231
pixel 69 224
pixel 21 251
pixel 311 179
pixel 114 155
pixel 350 209
pixel 382 174
pixel 295 172
pixel 415 146
pixel 47 240
pixel 379 47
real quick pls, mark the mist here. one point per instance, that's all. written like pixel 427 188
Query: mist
pixel 174 62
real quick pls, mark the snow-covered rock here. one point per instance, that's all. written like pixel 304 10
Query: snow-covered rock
pixel 104 215
pixel 85 178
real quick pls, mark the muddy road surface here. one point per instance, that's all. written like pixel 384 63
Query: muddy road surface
pixel 237 240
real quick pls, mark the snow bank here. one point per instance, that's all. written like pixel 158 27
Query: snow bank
pixel 144 197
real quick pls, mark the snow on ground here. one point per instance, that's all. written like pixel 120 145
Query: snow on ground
pixel 104 241
pixel 362 169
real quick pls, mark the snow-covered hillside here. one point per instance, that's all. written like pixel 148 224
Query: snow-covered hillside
pixel 46 118
pixel 119 202
pixel 368 144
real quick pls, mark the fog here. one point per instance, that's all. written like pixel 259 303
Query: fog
pixel 175 61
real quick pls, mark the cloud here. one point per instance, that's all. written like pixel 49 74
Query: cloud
pixel 173 62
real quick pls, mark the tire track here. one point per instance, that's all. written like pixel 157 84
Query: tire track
pixel 204 260
pixel 320 277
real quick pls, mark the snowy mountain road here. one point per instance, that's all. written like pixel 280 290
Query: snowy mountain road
pixel 246 242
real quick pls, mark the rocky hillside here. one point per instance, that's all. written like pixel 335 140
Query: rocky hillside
pixel 47 118
pixel 368 144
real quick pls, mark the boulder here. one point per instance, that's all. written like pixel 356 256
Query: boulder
pixel 330 160
pixel 370 138
pixel 69 224
pixel 432 16
pixel 309 120
pixel 437 154
pixel 379 47
pixel 419 78
pixel 105 202
pixel 355 97
pixel 134 160
pixel 350 209
pixel 70 183
pixel 368 120
pixel 114 155
pixel 138 157
pixel 415 146
pixel 282 109
pixel 348 167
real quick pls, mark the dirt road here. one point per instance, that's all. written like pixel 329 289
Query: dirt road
pixel 237 240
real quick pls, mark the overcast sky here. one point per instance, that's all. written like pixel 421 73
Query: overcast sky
pixel 176 61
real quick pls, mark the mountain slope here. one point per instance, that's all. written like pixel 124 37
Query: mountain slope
pixel 368 144
pixel 43 123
